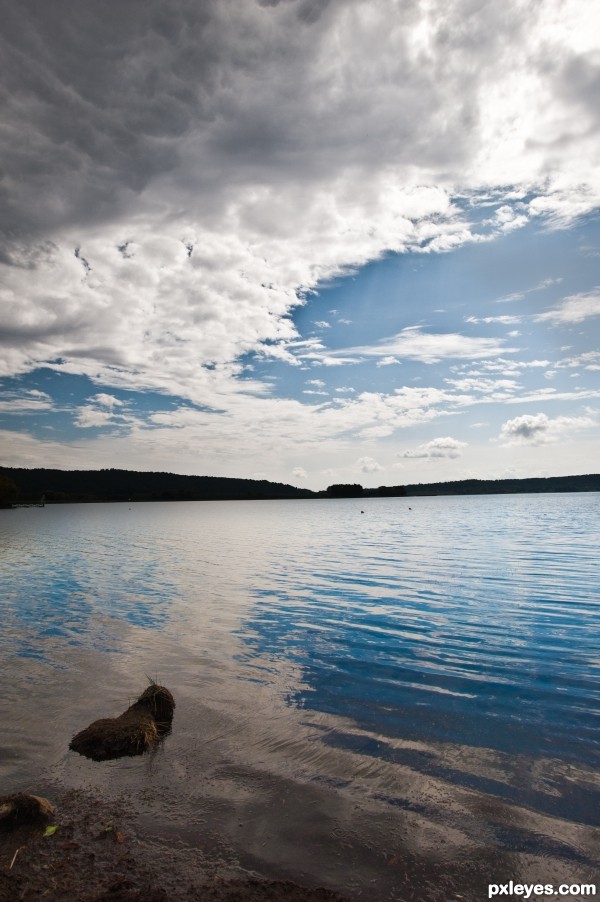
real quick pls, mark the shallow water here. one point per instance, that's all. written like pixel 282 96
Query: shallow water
pixel 400 701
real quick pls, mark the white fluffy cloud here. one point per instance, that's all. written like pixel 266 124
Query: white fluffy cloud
pixel 369 465
pixel 88 417
pixel 538 428
pixel 107 400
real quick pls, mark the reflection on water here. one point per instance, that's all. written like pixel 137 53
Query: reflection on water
pixel 477 631
pixel 435 670
pixel 61 580
pixel 494 646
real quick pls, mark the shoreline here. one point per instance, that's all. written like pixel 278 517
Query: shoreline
pixel 97 854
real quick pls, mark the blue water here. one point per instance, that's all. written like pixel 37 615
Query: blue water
pixel 429 657
pixel 470 629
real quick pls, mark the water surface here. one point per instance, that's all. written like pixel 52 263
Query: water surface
pixel 415 685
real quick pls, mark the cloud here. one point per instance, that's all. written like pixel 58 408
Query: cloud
pixel 494 389
pixel 538 429
pixel 526 427
pixel 509 298
pixel 369 465
pixel 25 402
pixel 299 473
pixel 88 417
pixel 502 365
pixel 551 394
pixel 284 428
pixel 176 179
pixel 104 410
pixel 507 218
pixel 502 320
pixel 589 360
pixel 573 309
pixel 437 447
pixel 107 400
pixel 431 348
pixel 427 347
pixel 519 295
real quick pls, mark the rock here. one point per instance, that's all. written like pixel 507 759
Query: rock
pixel 24 808
pixel 133 732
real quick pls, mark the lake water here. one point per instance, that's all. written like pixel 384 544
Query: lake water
pixel 398 698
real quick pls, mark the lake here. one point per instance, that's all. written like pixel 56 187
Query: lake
pixel 397 698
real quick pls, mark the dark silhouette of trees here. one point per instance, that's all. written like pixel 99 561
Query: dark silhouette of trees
pixel 9 490
pixel 345 490
pixel 29 485
pixel 389 491
pixel 587 483
pixel 130 485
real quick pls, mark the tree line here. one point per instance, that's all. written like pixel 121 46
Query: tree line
pixel 26 486
pixel 29 485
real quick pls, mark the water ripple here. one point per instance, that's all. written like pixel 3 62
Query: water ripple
pixel 442 662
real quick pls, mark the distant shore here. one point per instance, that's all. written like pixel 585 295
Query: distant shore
pixel 23 486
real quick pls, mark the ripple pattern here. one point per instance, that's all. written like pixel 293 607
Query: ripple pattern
pixel 427 660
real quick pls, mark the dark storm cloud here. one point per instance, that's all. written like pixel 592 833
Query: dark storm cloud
pixel 105 101
pixel 100 99
pixel 95 96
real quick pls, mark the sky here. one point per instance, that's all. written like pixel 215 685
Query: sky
pixel 309 241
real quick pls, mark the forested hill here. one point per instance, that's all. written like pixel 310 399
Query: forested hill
pixel 131 485
pixel 589 483
pixel 21 486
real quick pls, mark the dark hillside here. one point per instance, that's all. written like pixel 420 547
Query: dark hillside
pixel 588 483
pixel 130 485
pixel 23 486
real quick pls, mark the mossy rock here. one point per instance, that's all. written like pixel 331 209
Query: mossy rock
pixel 133 732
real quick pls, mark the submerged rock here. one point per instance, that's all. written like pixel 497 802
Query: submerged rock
pixel 133 732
